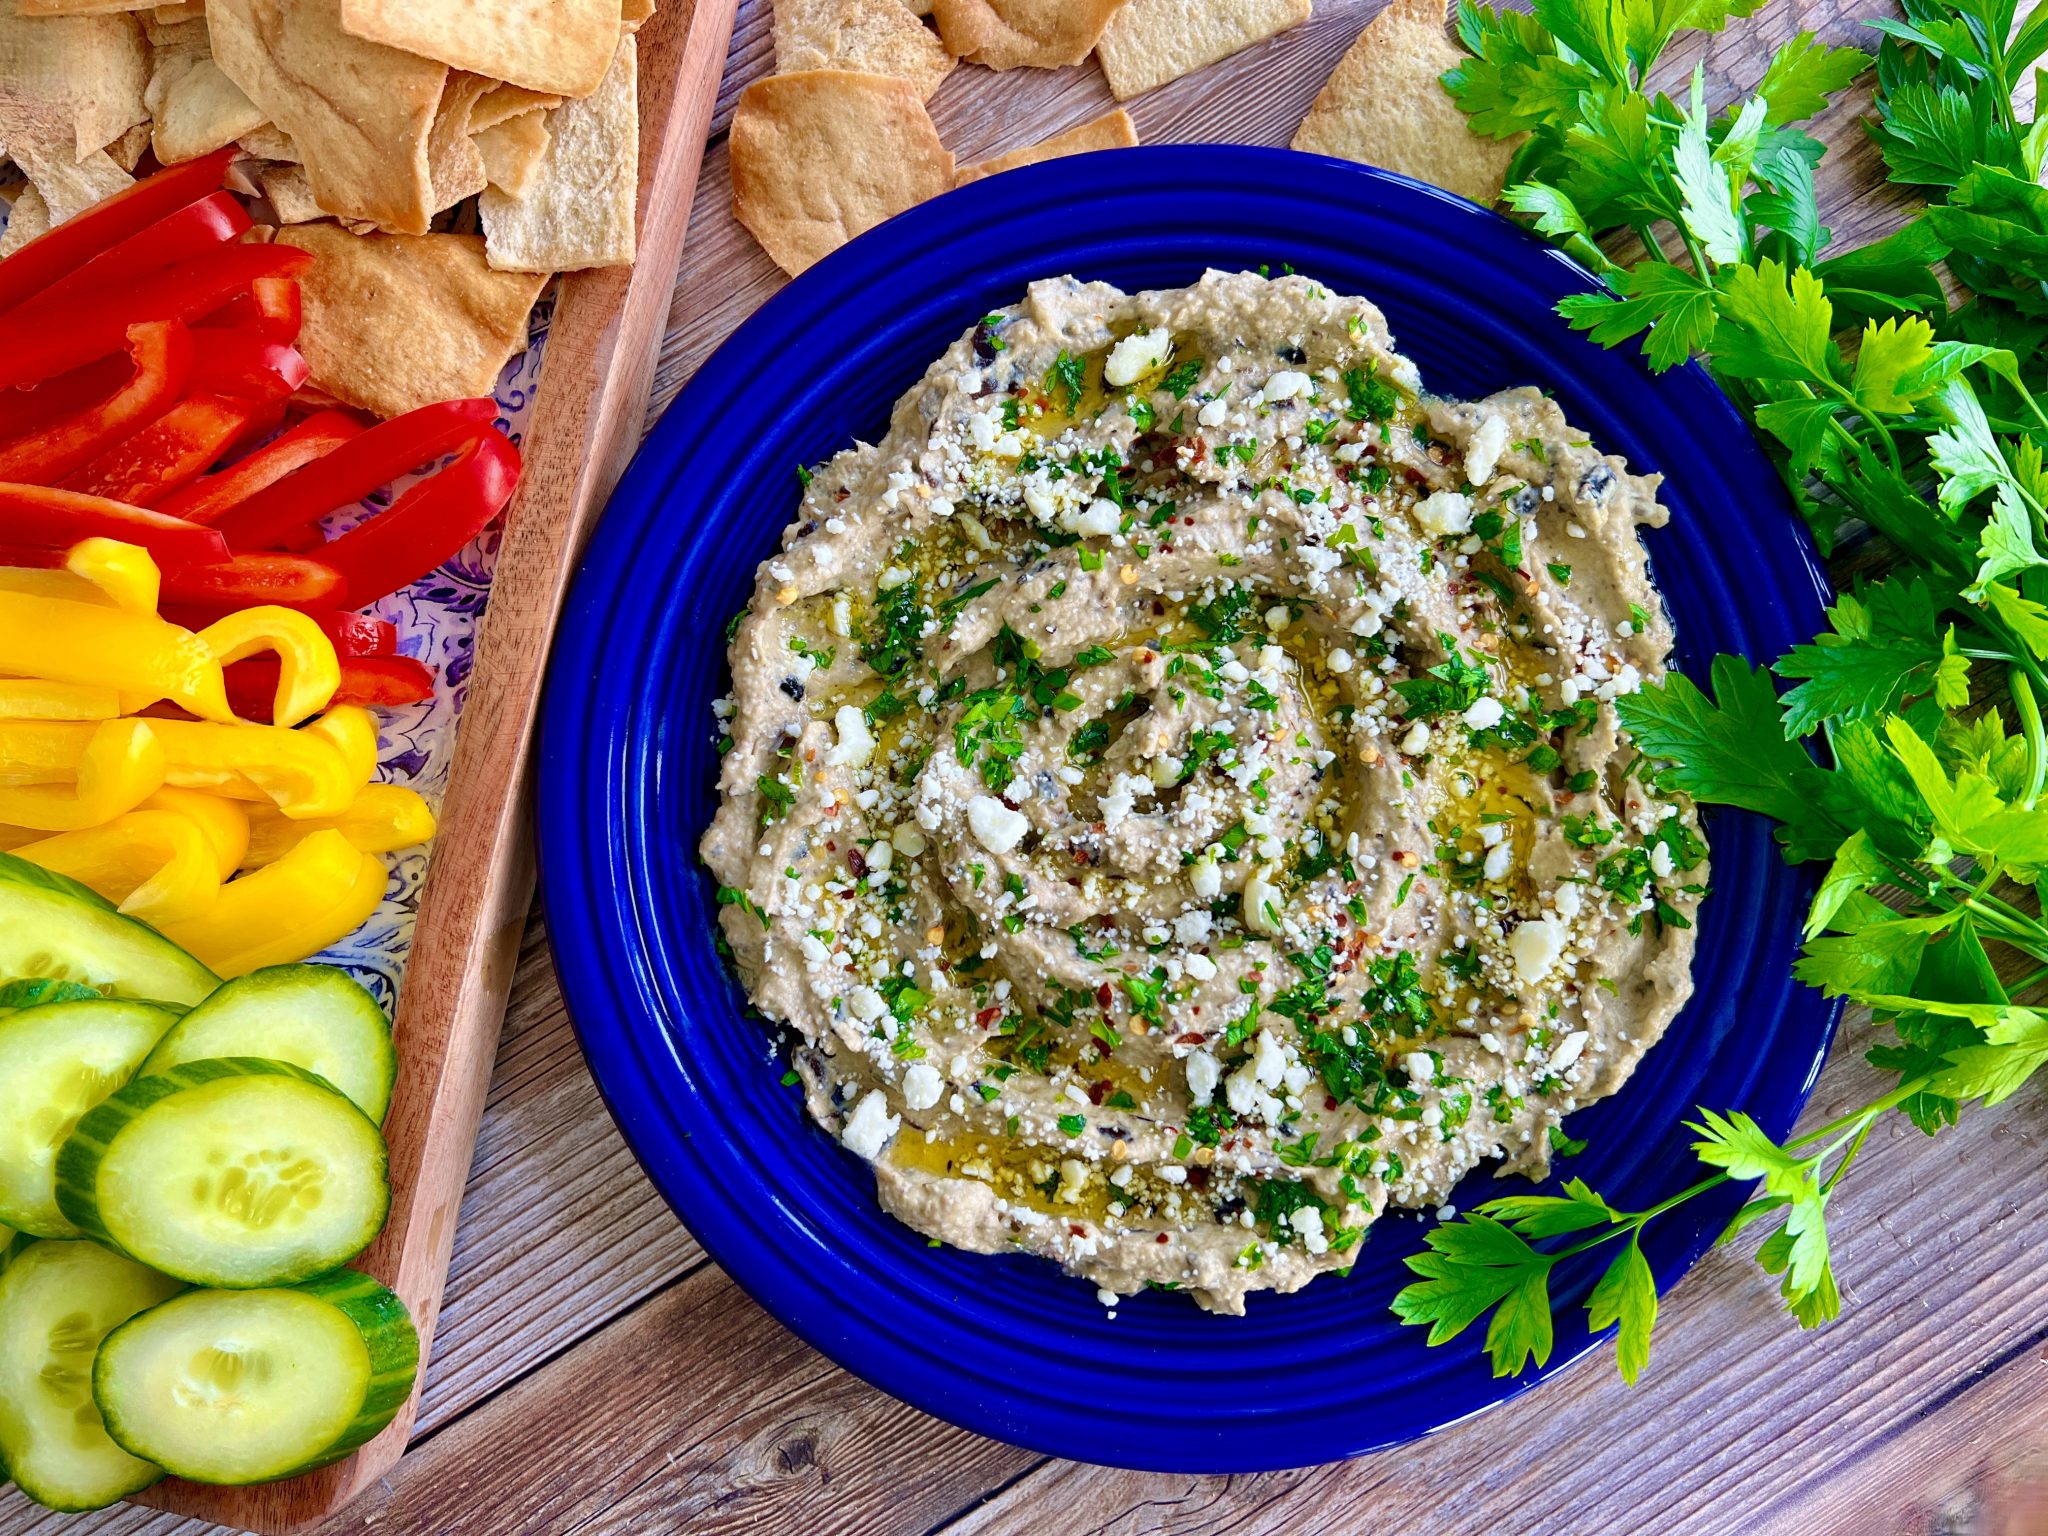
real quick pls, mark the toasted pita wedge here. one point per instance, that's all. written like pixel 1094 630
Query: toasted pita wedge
pixel 635 14
pixel 1113 130
pixel 820 156
pixel 196 109
pixel 268 143
pixel 290 194
pixel 394 322
pixel 1151 42
pixel 359 112
pixel 83 7
pixel 1384 106
pixel 185 10
pixel 502 101
pixel 1019 34
pixel 547 45
pixel 874 37
pixel 578 211
pixel 513 151
pixel 126 151
pixel 68 186
pixel 454 163
pixel 29 218
pixel 70 79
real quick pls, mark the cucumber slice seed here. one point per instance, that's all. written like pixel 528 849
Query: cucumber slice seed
pixel 55 928
pixel 57 1301
pixel 232 1172
pixel 314 1016
pixel 249 1386
pixel 57 1061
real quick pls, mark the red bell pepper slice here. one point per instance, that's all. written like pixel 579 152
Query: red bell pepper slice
pixel 243 363
pixel 61 251
pixel 352 634
pixel 244 581
pixel 34 407
pixel 382 682
pixel 161 352
pixel 45 517
pixel 355 469
pixel 271 308
pixel 37 343
pixel 427 524
pixel 213 221
pixel 175 449
pixel 204 501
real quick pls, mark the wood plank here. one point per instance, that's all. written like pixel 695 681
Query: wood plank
pixel 695 1412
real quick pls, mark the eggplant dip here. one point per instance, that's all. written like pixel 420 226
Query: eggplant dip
pixel 1173 791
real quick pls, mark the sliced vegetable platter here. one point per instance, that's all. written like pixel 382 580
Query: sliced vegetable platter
pixel 237 646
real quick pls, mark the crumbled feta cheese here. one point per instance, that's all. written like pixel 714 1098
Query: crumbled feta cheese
pixel 1485 713
pixel 1135 356
pixel 1263 903
pixel 995 826
pixel 1203 1075
pixel 1535 947
pixel 921 1086
pixel 1483 451
pixel 1444 512
pixel 870 1126
pixel 1569 1050
pixel 856 741
pixel 1421 1068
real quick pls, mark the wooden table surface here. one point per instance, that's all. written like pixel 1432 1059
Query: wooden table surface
pixel 595 1373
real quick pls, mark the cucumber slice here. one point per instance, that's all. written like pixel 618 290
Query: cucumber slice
pixel 54 927
pixel 57 1301
pixel 232 1172
pixel 34 991
pixel 314 1016
pixel 250 1386
pixel 56 1063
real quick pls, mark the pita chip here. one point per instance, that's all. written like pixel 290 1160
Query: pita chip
pixel 513 151
pixel 820 156
pixel 196 109
pixel 30 218
pixel 126 151
pixel 502 101
pixel 872 37
pixel 578 209
pixel 454 163
pixel 1113 130
pixel 394 322
pixel 1384 106
pixel 1151 42
pixel 70 79
pixel 290 194
pixel 563 46
pixel 635 14
pixel 1017 34
pixel 359 112
pixel 83 7
pixel 68 186
pixel 185 10
pixel 266 143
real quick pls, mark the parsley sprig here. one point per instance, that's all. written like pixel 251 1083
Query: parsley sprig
pixel 1898 418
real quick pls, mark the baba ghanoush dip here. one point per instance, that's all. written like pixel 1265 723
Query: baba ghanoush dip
pixel 1173 791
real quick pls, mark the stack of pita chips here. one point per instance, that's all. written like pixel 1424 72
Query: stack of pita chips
pixel 365 122
pixel 839 140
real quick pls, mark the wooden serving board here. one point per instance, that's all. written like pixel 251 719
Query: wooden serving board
pixel 587 420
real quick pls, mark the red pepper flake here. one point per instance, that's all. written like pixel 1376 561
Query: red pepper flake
pixel 1103 996
pixel 1192 1037
pixel 857 862
pixel 1329 1104
pixel 1162 1237
pixel 1097 1092
pixel 1077 1229
pixel 987 1016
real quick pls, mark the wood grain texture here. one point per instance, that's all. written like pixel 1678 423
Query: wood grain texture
pixel 593 1375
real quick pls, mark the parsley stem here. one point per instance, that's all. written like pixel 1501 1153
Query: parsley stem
pixel 2037 743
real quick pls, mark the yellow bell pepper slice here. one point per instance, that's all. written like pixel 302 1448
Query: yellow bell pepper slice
pixel 307 671
pixel 30 698
pixel 320 892
pixel 225 822
pixel 58 584
pixel 67 642
pixel 300 773
pixel 384 819
pixel 155 865
pixel 42 751
pixel 353 731
pixel 12 838
pixel 125 573
pixel 122 762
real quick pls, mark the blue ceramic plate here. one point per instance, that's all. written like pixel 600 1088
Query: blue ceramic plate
pixel 1007 1345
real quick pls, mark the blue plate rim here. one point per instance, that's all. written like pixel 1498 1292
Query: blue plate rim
pixel 565 822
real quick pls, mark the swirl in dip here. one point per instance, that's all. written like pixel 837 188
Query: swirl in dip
pixel 1174 793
